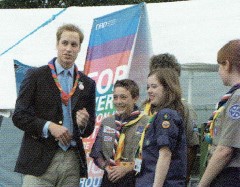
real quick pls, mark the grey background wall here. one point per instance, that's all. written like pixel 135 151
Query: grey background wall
pixel 207 89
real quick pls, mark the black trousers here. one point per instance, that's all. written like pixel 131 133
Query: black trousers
pixel 229 177
pixel 127 181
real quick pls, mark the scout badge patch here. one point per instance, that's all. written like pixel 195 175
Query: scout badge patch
pixel 107 138
pixel 109 130
pixel 139 129
pixel 234 111
pixel 165 123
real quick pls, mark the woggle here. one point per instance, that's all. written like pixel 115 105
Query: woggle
pixel 208 138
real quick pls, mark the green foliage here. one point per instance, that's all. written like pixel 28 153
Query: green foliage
pixel 14 4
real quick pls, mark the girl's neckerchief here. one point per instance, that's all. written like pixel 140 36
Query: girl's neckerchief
pixel 149 109
pixel 120 136
pixel 140 145
pixel 219 108
pixel 64 96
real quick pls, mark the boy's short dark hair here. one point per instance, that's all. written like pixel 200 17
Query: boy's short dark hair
pixel 130 85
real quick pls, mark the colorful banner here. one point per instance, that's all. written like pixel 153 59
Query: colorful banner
pixel 110 57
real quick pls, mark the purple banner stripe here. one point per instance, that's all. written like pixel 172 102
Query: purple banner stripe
pixel 110 48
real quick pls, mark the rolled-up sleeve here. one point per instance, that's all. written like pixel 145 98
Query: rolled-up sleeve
pixel 167 130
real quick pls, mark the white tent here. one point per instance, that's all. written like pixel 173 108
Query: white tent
pixel 191 30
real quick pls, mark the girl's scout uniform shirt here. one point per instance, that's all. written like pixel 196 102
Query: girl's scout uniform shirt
pixel 190 121
pixel 227 128
pixel 165 130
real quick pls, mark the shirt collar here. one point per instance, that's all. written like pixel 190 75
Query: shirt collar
pixel 60 69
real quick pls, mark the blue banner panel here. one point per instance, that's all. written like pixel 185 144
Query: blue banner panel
pixel 116 25
pixel 20 71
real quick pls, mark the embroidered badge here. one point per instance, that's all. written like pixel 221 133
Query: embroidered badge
pixel 165 124
pixel 108 129
pixel 234 111
pixel 147 142
pixel 107 138
pixel 140 129
pixel 166 116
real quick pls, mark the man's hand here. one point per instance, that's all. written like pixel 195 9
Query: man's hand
pixel 60 133
pixel 82 118
pixel 117 172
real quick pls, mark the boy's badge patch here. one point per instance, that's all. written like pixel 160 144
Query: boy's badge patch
pixel 165 124
pixel 108 129
pixel 107 138
pixel 140 129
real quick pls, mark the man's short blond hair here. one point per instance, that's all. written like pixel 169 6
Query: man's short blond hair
pixel 71 28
